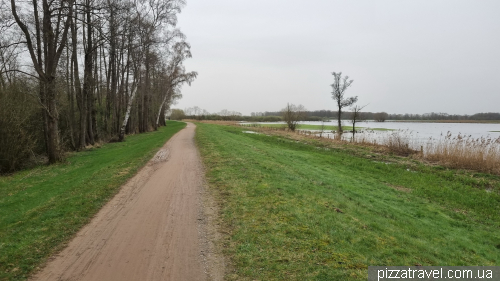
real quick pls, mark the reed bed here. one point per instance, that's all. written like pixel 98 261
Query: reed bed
pixel 466 152
pixel 400 142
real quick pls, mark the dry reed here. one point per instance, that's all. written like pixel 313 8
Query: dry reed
pixel 466 152
pixel 400 142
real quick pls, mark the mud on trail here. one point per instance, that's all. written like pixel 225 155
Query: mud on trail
pixel 155 228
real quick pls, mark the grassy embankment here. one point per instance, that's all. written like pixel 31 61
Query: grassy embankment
pixel 312 127
pixel 296 211
pixel 457 152
pixel 42 208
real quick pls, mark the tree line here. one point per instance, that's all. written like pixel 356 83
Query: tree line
pixel 318 115
pixel 74 73
pixel 445 116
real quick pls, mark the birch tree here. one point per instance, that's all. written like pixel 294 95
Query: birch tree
pixel 176 76
pixel 99 68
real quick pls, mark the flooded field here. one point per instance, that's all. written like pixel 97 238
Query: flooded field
pixel 458 145
pixel 416 134
pixel 420 132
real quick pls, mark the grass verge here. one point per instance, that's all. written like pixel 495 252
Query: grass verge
pixel 41 209
pixel 296 211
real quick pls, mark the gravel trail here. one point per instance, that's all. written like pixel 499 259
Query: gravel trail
pixel 150 230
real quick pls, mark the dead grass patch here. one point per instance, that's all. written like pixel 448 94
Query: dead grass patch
pixel 400 188
pixel 463 212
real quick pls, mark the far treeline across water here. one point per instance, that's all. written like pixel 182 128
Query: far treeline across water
pixel 319 115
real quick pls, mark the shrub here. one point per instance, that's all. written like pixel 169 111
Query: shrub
pixel 18 128
pixel 292 114
pixel 177 114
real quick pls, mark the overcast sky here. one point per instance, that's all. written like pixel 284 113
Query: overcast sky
pixel 404 56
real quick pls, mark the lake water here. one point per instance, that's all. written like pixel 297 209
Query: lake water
pixel 420 132
pixel 434 130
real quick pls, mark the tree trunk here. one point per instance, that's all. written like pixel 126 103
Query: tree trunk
pixel 52 122
pixel 82 105
pixel 339 120
pixel 70 92
pixel 161 112
pixel 112 94
pixel 87 74
pixel 127 113
pixel 162 105
pixel 43 100
pixel 353 127
pixel 162 116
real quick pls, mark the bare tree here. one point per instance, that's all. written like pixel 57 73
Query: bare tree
pixel 176 77
pixel 322 127
pixel 292 114
pixel 49 38
pixel 355 117
pixel 121 67
pixel 339 86
pixel 9 51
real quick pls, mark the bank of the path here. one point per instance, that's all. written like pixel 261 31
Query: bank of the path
pixel 149 230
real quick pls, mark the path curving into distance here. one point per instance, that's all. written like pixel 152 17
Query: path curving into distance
pixel 149 230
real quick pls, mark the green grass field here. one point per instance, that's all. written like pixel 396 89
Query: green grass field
pixel 42 208
pixel 298 211
pixel 316 127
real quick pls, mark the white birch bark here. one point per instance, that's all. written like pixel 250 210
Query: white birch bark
pixel 167 95
pixel 127 114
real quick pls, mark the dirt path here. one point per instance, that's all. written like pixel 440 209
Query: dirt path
pixel 150 230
